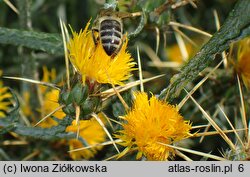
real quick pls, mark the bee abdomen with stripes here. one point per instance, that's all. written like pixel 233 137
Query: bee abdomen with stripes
pixel 110 30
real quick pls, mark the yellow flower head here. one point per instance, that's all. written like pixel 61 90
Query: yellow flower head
pixel 149 123
pixel 49 100
pixel 50 103
pixel 93 63
pixel 4 99
pixel 48 76
pixel 174 53
pixel 243 65
pixel 25 104
pixel 92 132
pixel 1 82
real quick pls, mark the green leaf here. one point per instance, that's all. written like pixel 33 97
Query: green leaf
pixel 236 27
pixel 50 43
pixel 53 133
pixel 11 123
pixel 6 129
pixel 118 109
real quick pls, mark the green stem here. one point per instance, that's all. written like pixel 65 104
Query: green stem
pixel 236 27
pixel 27 62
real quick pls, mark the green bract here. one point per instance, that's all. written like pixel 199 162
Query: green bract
pixel 79 96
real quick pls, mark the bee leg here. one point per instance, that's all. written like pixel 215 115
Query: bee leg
pixel 140 26
pixel 128 15
pixel 95 38
pixel 115 53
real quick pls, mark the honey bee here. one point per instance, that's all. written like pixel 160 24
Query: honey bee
pixel 108 29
